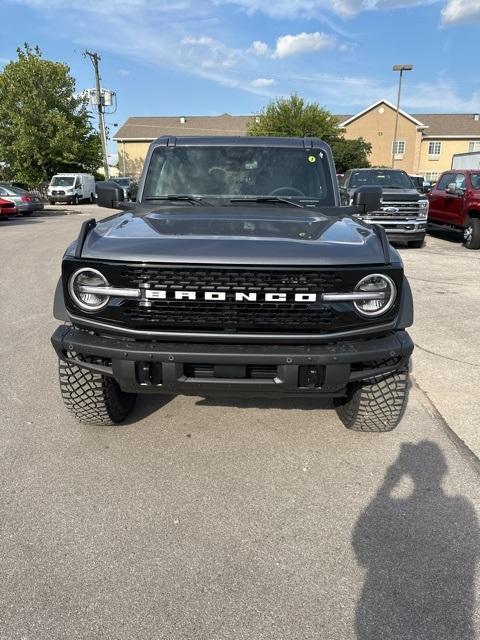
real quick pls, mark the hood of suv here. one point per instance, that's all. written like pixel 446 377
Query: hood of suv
pixel 235 235
pixel 398 195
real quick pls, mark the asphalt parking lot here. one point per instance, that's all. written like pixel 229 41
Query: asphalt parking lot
pixel 213 519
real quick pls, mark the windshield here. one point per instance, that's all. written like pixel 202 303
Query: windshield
pixel 62 181
pixel 123 182
pixel 475 180
pixel 240 172
pixel 381 178
pixel 14 190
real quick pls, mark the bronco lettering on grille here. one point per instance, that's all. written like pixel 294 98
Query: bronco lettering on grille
pixel 224 296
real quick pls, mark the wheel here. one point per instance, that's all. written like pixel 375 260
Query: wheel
pixel 51 201
pixel 416 244
pixel 92 198
pixel 375 404
pixel 75 200
pixel 25 214
pixel 93 398
pixel 471 234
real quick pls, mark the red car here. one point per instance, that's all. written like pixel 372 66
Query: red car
pixel 455 203
pixel 7 209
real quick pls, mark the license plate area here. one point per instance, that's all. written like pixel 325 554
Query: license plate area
pixel 201 371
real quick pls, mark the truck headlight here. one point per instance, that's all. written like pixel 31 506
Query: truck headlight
pixel 85 289
pixel 380 293
pixel 423 209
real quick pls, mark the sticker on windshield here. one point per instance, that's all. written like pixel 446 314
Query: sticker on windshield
pixel 312 159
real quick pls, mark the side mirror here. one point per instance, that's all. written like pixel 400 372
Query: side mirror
pixel 451 188
pixel 109 195
pixel 427 187
pixel 368 198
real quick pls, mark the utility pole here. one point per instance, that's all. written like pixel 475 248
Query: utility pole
pixel 401 68
pixel 95 58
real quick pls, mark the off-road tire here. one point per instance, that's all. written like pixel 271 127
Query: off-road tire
pixel 376 404
pixel 93 398
pixel 416 244
pixel 471 237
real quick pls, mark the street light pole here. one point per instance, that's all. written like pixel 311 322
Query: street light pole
pixel 401 68
pixel 95 58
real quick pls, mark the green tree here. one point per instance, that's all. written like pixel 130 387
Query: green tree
pixel 294 117
pixel 350 154
pixel 46 127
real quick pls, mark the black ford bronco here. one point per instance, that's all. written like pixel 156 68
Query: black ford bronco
pixel 236 272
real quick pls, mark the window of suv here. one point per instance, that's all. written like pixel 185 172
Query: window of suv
pixel 388 179
pixel 460 181
pixel 475 180
pixel 240 171
pixel 445 180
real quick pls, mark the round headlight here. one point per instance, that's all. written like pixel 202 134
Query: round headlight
pixel 83 288
pixel 380 292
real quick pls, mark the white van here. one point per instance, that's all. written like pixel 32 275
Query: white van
pixel 71 187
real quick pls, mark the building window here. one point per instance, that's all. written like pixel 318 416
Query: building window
pixel 474 146
pixel 430 176
pixel 434 150
pixel 399 149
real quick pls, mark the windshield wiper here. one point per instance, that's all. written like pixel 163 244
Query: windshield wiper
pixel 177 196
pixel 268 199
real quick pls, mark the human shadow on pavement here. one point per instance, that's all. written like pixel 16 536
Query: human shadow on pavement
pixel 420 553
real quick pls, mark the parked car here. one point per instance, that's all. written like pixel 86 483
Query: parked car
pixel 72 188
pixel 455 204
pixel 7 209
pixel 25 201
pixel 421 185
pixel 129 186
pixel 403 212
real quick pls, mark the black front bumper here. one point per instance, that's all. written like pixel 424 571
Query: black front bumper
pixel 257 369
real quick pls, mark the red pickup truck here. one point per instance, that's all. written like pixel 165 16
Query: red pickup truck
pixel 455 203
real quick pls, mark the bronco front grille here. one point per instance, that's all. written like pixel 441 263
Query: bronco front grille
pixel 278 281
pixel 230 315
pixel 233 316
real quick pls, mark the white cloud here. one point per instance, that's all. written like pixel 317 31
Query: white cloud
pixel 124 72
pixel 303 43
pixel 289 45
pixel 316 8
pixel 259 48
pixel 262 82
pixel 458 11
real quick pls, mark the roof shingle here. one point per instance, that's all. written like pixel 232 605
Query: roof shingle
pixel 449 124
pixel 150 128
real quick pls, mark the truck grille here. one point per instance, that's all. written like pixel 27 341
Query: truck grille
pixel 404 209
pixel 231 316
pixel 278 281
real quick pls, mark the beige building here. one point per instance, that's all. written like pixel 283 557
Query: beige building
pixel 425 143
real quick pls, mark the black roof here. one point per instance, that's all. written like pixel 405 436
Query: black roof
pixel 250 141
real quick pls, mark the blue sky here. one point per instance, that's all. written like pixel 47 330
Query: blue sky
pixel 192 57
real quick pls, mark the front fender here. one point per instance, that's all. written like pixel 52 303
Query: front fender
pixel 59 309
pixel 405 315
